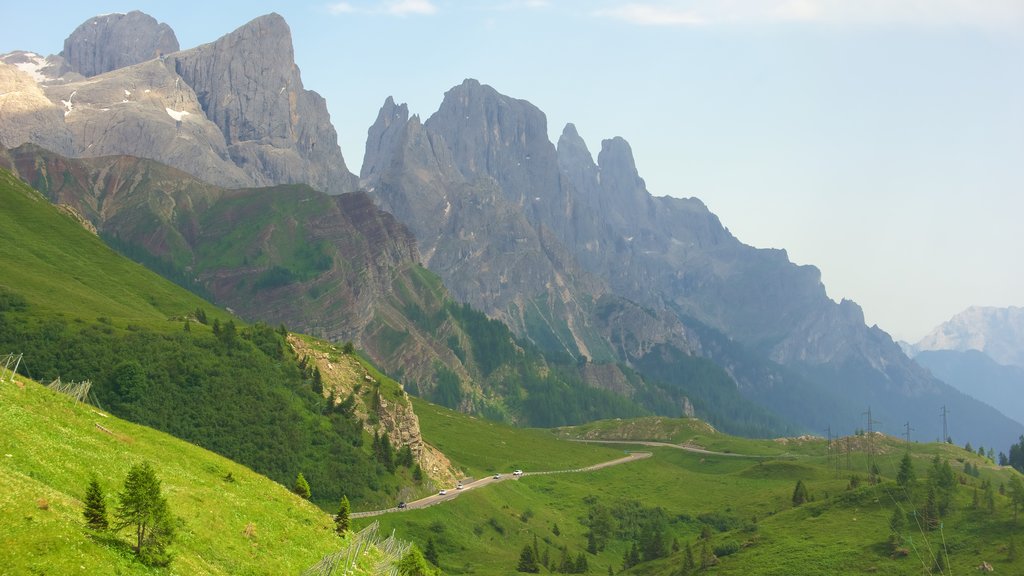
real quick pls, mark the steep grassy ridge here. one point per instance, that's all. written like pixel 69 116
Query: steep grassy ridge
pixel 49 447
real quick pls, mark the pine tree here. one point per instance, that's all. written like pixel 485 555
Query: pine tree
pixel 906 477
pixel 631 557
pixel 565 565
pixel 95 506
pixel 897 523
pixel 431 552
pixel 527 561
pixel 301 486
pixel 388 452
pixel 413 564
pixel 417 474
pixel 581 566
pixel 341 519
pixel 688 562
pixel 990 496
pixel 1016 494
pixel 799 493
pixel 143 508
pixel 707 557
pixel 318 381
pixel 931 509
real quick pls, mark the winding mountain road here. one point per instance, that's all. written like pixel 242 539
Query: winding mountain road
pixel 453 493
pixel 670 445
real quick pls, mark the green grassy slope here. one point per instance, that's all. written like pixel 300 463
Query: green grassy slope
pixel 92 277
pixel 745 501
pixel 49 446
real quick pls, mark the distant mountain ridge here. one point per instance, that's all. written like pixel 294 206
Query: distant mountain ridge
pixel 976 374
pixel 998 332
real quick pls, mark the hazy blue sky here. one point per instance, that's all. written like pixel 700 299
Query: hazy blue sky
pixel 880 140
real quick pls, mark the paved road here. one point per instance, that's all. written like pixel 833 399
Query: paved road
pixel 669 445
pixel 467 486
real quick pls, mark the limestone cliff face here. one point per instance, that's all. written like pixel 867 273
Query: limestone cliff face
pixel 233 113
pixel 114 41
pixel 276 131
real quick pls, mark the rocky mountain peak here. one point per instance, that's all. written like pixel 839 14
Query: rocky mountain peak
pixel 998 332
pixel 384 136
pixel 114 41
pixel 494 135
pixel 278 132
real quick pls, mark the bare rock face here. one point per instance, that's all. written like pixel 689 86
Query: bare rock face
pixel 114 41
pixel 146 111
pixel 232 113
pixel 27 115
pixel 276 131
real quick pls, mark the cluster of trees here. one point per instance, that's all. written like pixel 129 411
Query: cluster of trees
pixel 141 507
pixel 1015 458
pixel 531 561
pixel 238 391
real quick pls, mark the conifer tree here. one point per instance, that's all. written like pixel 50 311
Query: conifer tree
pixel 341 519
pixel 688 561
pixel 799 493
pixel 897 524
pixel 527 561
pixel 413 564
pixel 906 477
pixel 318 382
pixel 1016 494
pixel 707 557
pixel 95 506
pixel 565 565
pixel 301 486
pixel 431 551
pixel 143 508
pixel 581 566
pixel 417 474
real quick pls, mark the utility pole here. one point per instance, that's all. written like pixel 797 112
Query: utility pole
pixel 945 428
pixel 871 435
pixel 906 435
pixel 828 447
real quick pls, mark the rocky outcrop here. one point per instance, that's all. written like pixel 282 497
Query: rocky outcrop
pixel 114 41
pixel 344 376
